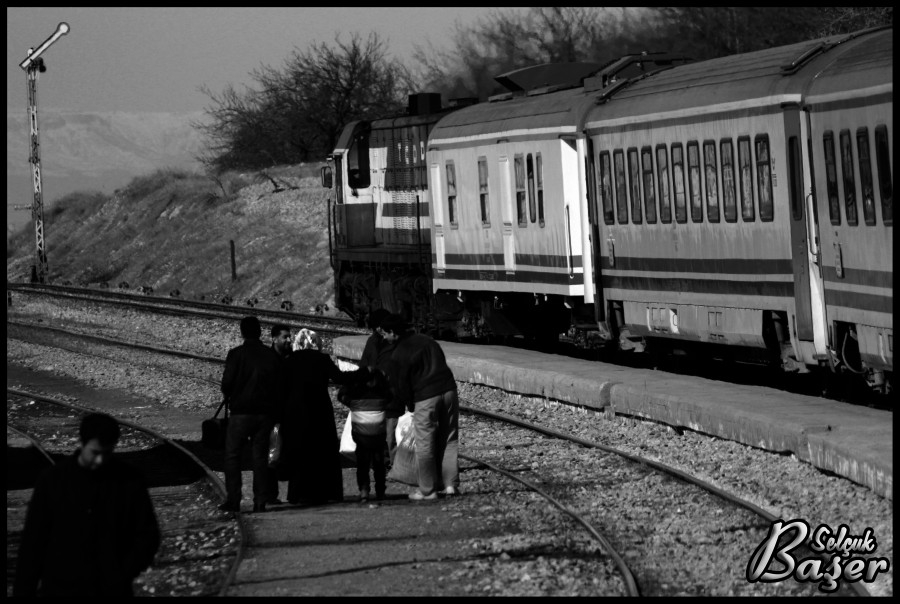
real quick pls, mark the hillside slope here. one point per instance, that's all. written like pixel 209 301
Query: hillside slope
pixel 90 144
pixel 172 230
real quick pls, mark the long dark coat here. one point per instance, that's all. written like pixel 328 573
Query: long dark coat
pixel 311 461
pixel 87 532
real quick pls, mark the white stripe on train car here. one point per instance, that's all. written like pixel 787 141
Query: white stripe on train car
pixel 699 111
pixel 503 134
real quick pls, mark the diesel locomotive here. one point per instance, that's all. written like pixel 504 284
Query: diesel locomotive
pixel 741 204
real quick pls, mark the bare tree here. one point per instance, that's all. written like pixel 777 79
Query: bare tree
pixel 298 111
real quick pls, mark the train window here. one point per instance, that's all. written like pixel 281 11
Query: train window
pixel 764 178
pixel 358 161
pixel 729 193
pixel 520 191
pixel 694 182
pixel 662 174
pixel 834 204
pixel 539 167
pixel 649 188
pixel 634 169
pixel 483 193
pixel 532 198
pixel 865 176
pixel 712 181
pixel 745 173
pixel 606 192
pixel 621 187
pixel 451 193
pixel 883 157
pixel 849 181
pixel 678 182
pixel 796 188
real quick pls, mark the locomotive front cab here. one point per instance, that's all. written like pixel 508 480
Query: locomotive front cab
pixel 353 214
pixel 381 218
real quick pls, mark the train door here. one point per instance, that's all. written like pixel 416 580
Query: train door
pixel 809 317
pixel 593 213
pixel 437 219
pixel 506 201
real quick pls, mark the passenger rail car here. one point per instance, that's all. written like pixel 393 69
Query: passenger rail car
pixel 850 109
pixel 507 178
pixel 740 206
pixel 380 218
pixel 707 225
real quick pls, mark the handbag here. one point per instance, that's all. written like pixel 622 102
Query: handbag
pixel 213 430
pixel 275 442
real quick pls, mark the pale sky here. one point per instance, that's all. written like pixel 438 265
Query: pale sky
pixel 154 59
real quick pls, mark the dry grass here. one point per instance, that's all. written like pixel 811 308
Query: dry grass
pixel 172 230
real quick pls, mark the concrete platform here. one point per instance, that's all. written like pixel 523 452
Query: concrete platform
pixel 851 441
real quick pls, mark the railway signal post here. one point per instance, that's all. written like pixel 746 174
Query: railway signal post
pixel 33 65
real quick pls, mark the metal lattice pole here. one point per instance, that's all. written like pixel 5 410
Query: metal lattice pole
pixel 32 65
pixel 37 207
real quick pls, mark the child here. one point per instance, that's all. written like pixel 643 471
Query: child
pixel 367 402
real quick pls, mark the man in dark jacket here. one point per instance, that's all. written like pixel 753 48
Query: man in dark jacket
pixel 422 380
pixel 252 385
pixel 90 528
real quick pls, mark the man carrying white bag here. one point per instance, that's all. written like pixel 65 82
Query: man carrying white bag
pixel 421 379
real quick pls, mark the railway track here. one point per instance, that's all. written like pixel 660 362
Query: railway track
pixel 629 497
pixel 187 359
pixel 201 547
pixel 330 326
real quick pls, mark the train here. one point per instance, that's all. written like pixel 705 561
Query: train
pixel 738 206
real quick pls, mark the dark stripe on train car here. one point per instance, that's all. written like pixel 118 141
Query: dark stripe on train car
pixel 518 276
pixel 408 255
pixel 858 276
pixel 404 236
pixel 884 97
pixel 778 266
pixel 859 301
pixel 701 286
pixel 404 209
pixel 426 233
pixel 542 260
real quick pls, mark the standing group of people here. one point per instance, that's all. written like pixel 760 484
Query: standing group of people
pixel 288 384
pixel 285 383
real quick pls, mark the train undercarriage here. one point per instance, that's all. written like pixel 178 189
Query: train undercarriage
pixel 499 317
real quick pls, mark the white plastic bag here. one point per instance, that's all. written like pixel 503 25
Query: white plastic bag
pixel 348 447
pixel 404 424
pixel 404 469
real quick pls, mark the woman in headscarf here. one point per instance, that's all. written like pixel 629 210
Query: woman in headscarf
pixel 312 463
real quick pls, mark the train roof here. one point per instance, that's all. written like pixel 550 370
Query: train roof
pixel 558 112
pixel 863 64
pixel 770 76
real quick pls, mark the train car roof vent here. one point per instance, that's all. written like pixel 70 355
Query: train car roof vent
pixel 632 65
pixel 807 56
pixel 503 96
pixel 424 103
pixel 824 46
pixel 463 102
pixel 548 75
